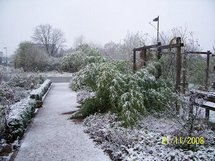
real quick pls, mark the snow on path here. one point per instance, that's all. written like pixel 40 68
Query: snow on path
pixel 52 137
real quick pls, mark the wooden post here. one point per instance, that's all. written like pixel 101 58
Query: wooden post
pixel 144 57
pixel 158 57
pixel 159 51
pixel 178 65
pixel 207 114
pixel 207 70
pixel 184 72
pixel 178 70
pixel 141 58
pixel 134 60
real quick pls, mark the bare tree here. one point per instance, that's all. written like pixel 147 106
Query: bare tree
pixel 111 50
pixel 52 39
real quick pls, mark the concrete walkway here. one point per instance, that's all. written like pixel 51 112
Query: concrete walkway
pixel 52 137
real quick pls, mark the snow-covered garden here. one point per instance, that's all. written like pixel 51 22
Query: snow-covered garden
pixel 20 94
pixel 145 141
pixel 131 114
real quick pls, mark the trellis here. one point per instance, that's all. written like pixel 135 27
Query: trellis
pixel 177 45
pixel 180 76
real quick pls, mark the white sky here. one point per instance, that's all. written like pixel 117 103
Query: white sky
pixel 101 21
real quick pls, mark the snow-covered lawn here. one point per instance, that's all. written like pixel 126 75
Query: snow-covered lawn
pixel 144 143
pixel 56 74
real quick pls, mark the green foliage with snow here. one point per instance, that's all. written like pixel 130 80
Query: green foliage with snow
pixel 117 89
pixel 19 117
pixel 81 57
pixel 20 113
pixel 89 77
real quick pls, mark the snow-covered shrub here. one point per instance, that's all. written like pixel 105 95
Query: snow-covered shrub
pixel 7 73
pixel 38 93
pixel 192 120
pixel 88 107
pixel 53 64
pixel 96 77
pixel 17 85
pixel 20 114
pixel 85 78
pixel 1 74
pixel 83 95
pixel 89 76
pixel 29 57
pixel 157 93
pixel 19 117
pixel 134 94
pixel 117 89
pixel 25 81
pixel 2 121
pixel 80 58
pixel 126 99
pixel 143 143
pixel 6 94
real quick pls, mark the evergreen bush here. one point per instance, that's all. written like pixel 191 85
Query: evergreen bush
pixel 118 90
pixel 84 55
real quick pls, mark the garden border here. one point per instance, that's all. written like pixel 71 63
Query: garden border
pixel 15 148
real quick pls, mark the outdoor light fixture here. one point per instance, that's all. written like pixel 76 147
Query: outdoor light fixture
pixel 157 20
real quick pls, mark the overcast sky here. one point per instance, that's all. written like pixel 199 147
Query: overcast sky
pixel 101 21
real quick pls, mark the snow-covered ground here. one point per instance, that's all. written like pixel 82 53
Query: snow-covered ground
pixel 52 137
pixel 144 143
pixel 56 74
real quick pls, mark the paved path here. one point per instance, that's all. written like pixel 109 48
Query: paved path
pixel 62 79
pixel 52 137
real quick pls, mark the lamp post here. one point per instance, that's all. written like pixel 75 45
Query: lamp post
pixel 6 55
pixel 157 20
pixel 158 49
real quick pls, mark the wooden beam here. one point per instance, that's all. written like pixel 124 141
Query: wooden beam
pixel 145 47
pixel 207 70
pixel 198 52
pixel 159 46
pixel 207 107
pixel 171 46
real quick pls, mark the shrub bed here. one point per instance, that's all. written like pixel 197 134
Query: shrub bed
pixel 20 113
pixel 119 90
pixel 40 92
pixel 19 117
pixel 84 55
pixel 144 142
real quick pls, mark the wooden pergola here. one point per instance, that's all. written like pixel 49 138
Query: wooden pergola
pixel 159 48
pixel 179 75
pixel 208 53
